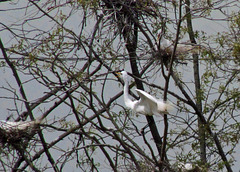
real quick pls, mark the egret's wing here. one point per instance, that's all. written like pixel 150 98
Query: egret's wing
pixel 145 95
pixel 8 125
pixel 164 107
pixel 156 105
pixel 147 99
pixel 21 125
pixel 24 125
pixel 182 48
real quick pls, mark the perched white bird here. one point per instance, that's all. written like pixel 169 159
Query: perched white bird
pixel 188 167
pixel 147 104
pixel 9 126
pixel 182 49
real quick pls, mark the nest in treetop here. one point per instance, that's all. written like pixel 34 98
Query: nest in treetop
pixel 145 6
pixel 14 135
pixel 129 9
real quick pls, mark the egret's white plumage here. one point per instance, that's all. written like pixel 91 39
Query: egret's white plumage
pixel 168 46
pixel 10 126
pixel 188 167
pixel 147 104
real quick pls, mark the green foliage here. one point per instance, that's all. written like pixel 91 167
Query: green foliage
pixel 88 3
pixel 236 51
pixel 235 20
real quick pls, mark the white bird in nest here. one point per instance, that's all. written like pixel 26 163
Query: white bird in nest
pixel 147 104
pixel 9 126
pixel 182 48
pixel 188 167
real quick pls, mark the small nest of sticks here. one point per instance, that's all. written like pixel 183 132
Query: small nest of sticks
pixel 14 135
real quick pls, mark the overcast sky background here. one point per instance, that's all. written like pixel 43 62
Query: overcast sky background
pixel 8 17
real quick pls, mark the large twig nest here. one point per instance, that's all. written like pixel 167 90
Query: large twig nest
pixel 15 132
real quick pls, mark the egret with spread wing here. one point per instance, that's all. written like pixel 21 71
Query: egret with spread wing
pixel 147 104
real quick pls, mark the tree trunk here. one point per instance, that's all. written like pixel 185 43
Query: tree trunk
pixel 201 128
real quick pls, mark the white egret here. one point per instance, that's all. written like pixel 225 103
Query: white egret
pixel 188 167
pixel 147 104
pixel 9 126
pixel 182 48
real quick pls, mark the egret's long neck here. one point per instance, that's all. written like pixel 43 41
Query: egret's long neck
pixel 127 100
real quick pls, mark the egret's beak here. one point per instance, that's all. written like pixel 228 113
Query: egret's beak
pixel 118 74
